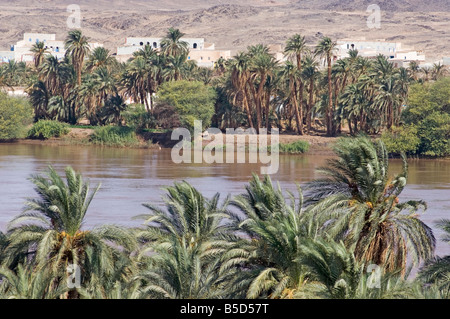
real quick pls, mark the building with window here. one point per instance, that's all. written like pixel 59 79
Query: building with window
pixel 203 53
pixel 21 51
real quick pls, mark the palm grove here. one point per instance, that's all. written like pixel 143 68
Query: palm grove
pixel 265 243
pixel 252 89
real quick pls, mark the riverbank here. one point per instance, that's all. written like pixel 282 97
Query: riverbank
pixel 319 145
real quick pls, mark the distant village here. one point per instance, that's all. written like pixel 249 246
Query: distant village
pixel 206 55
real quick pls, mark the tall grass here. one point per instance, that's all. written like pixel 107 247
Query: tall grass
pixel 115 136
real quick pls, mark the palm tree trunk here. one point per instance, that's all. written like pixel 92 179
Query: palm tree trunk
pixel 310 105
pixel 330 100
pixel 298 118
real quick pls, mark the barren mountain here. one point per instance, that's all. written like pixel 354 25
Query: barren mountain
pixel 235 24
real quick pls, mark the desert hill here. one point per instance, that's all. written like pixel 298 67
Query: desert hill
pixel 235 24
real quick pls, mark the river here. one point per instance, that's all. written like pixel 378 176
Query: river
pixel 130 177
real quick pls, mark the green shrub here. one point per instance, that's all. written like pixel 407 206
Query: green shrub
pixel 136 116
pixel 434 133
pixel 115 136
pixel 192 101
pixel 45 129
pixel 429 112
pixel 401 140
pixel 15 115
pixel 297 147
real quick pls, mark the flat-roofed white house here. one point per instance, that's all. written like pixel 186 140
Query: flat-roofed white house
pixel 203 53
pixel 401 57
pixel 21 51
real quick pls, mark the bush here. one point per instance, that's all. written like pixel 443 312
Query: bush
pixel 401 140
pixel 136 116
pixel 115 136
pixel 45 129
pixel 428 112
pixel 434 133
pixel 15 115
pixel 192 101
pixel 297 147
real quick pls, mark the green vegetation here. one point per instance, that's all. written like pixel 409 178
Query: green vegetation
pixel 15 115
pixel 427 121
pixel 45 129
pixel 298 147
pixel 253 89
pixel 191 100
pixel 136 116
pixel 115 136
pixel 319 243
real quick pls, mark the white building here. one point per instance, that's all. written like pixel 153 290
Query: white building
pixel 401 57
pixel 21 51
pixel 203 53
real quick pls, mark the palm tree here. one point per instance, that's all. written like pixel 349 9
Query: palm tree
pixel 240 75
pixel 436 271
pixel 438 71
pixel 26 283
pixel 185 241
pixel 359 203
pixel 413 70
pixel 77 48
pixel 100 57
pixel 172 45
pixel 290 74
pixel 310 73
pixel 325 50
pixel 295 47
pixel 263 66
pixel 50 231
pixel 274 229
pixel 39 50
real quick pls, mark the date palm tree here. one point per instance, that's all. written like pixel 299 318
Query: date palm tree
pixel 358 201
pixel 263 67
pixel 436 271
pixel 39 51
pixel 50 230
pixel 310 73
pixel 267 253
pixel 26 283
pixel 185 241
pixel 290 74
pixel 100 57
pixel 77 48
pixel 240 74
pixel 325 49
pixel 295 48
pixel 172 45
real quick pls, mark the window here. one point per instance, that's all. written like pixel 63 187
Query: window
pixel 155 45
pixel 148 43
pixel 201 58
pixel 141 43
pixel 209 58
pixel 30 39
pixel 195 46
